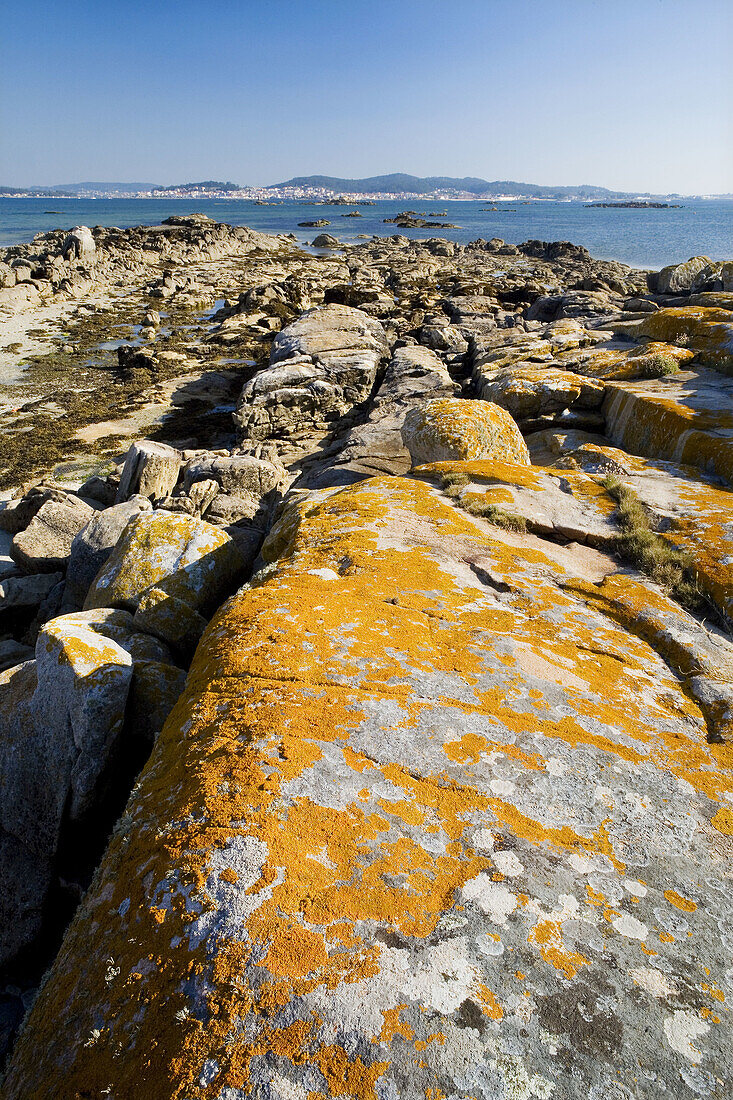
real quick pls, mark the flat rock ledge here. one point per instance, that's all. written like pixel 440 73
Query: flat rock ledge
pixel 426 822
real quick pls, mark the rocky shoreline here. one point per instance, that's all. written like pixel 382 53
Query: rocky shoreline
pixel 392 585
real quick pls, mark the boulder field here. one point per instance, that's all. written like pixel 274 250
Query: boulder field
pixel 386 753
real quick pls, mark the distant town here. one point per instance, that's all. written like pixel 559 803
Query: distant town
pixel 315 189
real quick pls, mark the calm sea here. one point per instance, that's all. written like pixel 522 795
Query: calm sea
pixel 642 238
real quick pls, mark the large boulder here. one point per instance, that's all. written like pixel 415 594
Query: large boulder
pixel 678 278
pixel 428 821
pixel 238 475
pixel 452 428
pixel 79 245
pixel 94 544
pixel 529 392
pixel 572 304
pixel 16 514
pixel 321 366
pixel 45 544
pixel 414 375
pixel 151 470
pixel 62 720
pixel 177 561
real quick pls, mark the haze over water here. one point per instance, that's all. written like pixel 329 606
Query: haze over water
pixel 641 238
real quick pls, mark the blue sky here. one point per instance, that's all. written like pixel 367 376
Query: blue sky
pixel 630 94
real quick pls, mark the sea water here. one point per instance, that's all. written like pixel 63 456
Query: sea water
pixel 641 238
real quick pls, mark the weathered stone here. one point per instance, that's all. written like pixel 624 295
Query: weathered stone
pixel 683 418
pixel 677 277
pixel 562 505
pixel 320 367
pixel 530 392
pixel 185 557
pixel 16 514
pixel 13 653
pixel 228 508
pixel 155 689
pixel 239 475
pixel 247 538
pixel 151 470
pixel 45 544
pixel 414 375
pixel 574 303
pixel 201 494
pixel 451 428
pixel 170 619
pixel 79 245
pixel 27 591
pixel 689 510
pixel 705 331
pixel 418 785
pixel 102 490
pixel 94 543
pixel 61 721
pixel 326 240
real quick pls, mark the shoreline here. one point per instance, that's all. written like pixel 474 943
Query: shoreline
pixel 640 238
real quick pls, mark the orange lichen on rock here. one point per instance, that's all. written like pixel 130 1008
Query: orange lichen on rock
pixel 685 904
pixel 686 421
pixel 547 934
pixel 706 331
pixel 449 428
pixel 401 705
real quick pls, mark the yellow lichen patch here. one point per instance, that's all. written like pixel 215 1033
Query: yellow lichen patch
pixel 394 1026
pixel 723 821
pixel 348 1077
pixel 701 524
pixel 488 1002
pixel 594 898
pixel 676 423
pixel 486 470
pixel 187 559
pixel 650 360
pixel 469 747
pixel 708 332
pixel 547 934
pixel 538 497
pixel 680 902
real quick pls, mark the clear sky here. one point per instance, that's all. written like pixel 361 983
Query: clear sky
pixel 628 94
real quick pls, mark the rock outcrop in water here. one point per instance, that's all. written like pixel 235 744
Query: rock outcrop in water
pixel 445 806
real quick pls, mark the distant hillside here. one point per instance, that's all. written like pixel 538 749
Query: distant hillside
pixel 90 185
pixel 36 192
pixel 423 185
pixel 203 185
pixel 97 188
